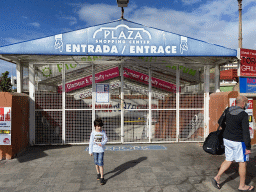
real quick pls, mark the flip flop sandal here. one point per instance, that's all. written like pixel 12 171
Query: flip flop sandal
pixel 247 189
pixel 215 184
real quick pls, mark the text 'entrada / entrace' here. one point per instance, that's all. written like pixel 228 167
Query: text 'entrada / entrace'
pixel 77 48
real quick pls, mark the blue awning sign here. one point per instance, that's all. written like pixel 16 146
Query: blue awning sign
pixel 118 38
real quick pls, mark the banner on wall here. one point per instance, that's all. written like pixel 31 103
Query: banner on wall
pixel 5 125
pixel 143 78
pixel 86 81
pixel 249 110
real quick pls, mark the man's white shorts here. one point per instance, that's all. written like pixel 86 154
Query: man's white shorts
pixel 235 151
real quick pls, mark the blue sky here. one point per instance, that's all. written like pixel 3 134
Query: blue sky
pixel 213 21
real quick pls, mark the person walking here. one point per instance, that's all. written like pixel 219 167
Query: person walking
pixel 237 142
pixel 98 140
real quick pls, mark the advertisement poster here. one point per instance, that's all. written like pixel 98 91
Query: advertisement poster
pixel 247 63
pixel 86 81
pixel 5 125
pixel 249 110
pixel 247 84
pixel 102 93
pixel 232 102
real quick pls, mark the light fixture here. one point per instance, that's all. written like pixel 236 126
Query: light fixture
pixel 122 3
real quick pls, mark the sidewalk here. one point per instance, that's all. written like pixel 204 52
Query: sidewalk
pixel 168 168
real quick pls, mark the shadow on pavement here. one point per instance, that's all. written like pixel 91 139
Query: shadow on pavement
pixel 121 168
pixel 250 171
pixel 37 152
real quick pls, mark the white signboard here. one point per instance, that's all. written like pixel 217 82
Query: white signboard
pixel 5 125
pixel 102 93
pixel 249 110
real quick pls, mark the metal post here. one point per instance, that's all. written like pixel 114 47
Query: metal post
pixel 122 16
pixel 122 103
pixel 31 104
pixel 217 78
pixel 240 39
pixel 150 104
pixel 93 95
pixel 19 73
pixel 206 99
pixel 177 103
pixel 63 105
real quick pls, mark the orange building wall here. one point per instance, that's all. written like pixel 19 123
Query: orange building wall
pixel 19 104
pixel 218 103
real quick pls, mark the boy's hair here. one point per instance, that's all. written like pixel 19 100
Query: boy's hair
pixel 98 122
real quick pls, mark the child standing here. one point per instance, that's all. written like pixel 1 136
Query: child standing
pixel 98 139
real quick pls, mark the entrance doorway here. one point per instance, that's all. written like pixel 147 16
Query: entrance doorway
pixel 139 101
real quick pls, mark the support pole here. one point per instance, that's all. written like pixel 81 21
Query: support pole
pixel 31 104
pixel 206 99
pixel 122 103
pixel 19 73
pixel 177 103
pixel 217 78
pixel 150 103
pixel 93 95
pixel 240 39
pixel 63 104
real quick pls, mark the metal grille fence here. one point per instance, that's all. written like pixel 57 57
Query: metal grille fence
pixel 112 123
pixel 162 118
pixel 48 127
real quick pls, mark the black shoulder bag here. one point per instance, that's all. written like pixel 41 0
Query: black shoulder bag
pixel 213 143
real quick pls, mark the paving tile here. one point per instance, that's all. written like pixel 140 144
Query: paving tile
pixel 201 187
pixel 7 189
pixel 71 187
pixel 196 179
pixel 153 189
pixel 185 186
pixel 40 188
pixel 159 169
pixel 171 188
pixel 23 187
pixel 150 182
pixel 50 174
pixel 145 169
pixel 12 183
pixel 170 181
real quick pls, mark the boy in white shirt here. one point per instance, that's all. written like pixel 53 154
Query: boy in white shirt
pixel 98 139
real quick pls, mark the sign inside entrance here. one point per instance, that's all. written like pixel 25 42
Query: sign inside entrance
pixel 102 93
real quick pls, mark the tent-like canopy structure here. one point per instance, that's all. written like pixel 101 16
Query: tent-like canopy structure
pixel 123 46
pixel 119 41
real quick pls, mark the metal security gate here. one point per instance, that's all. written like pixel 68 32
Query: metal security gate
pixel 139 103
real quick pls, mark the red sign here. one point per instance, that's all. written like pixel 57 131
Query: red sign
pixel 230 74
pixel 86 81
pixel 1 114
pixel 128 73
pixel 6 141
pixel 250 103
pixel 248 62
